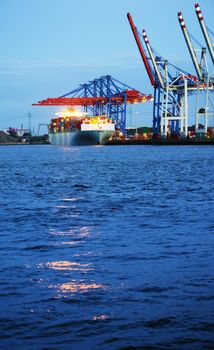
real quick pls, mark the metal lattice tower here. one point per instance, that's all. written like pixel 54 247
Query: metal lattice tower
pixel 103 96
pixel 205 83
pixel 171 84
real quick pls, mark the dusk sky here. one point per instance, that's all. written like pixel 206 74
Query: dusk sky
pixel 49 47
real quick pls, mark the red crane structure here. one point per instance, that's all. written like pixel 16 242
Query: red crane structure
pixel 103 96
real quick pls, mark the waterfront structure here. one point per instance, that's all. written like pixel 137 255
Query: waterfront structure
pixel 105 96
pixel 205 82
pixel 172 85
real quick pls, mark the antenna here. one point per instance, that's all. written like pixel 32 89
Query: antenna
pixel 29 122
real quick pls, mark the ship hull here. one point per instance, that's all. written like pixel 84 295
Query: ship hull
pixel 80 138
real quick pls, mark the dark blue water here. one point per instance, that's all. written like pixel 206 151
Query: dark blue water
pixel 106 247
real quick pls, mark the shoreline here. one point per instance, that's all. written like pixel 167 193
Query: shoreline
pixel 161 142
pixel 158 142
pixel 24 144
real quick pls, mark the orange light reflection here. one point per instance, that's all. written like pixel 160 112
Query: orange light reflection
pixel 77 287
pixel 68 266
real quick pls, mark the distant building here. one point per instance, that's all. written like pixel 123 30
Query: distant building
pixel 22 132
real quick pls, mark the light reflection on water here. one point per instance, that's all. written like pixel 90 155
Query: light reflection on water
pixel 100 317
pixel 77 287
pixel 80 232
pixel 79 235
pixel 70 149
pixel 68 266
pixel 71 243
pixel 72 199
pixel 61 206
pixel 74 286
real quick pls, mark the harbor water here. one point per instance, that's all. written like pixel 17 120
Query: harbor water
pixel 106 247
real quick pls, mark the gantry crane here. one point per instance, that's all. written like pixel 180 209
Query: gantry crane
pixel 173 85
pixel 103 96
pixel 208 111
pixel 171 88
pixel 205 81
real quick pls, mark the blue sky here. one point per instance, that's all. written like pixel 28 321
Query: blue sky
pixel 49 47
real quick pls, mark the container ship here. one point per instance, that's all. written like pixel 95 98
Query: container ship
pixel 73 128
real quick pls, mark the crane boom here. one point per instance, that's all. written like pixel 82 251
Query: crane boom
pixel 190 46
pixel 204 31
pixel 152 56
pixel 141 50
